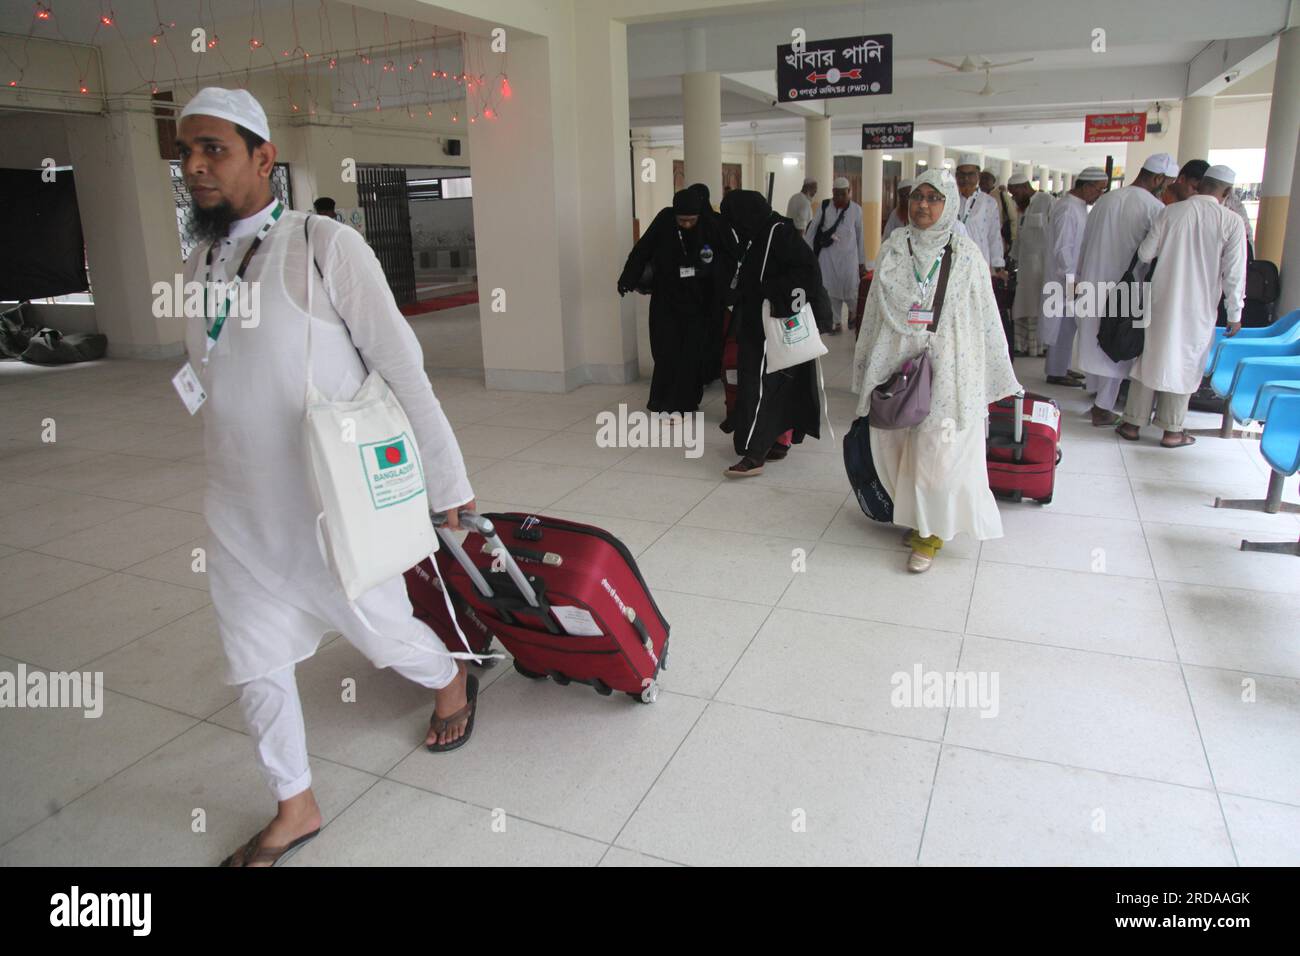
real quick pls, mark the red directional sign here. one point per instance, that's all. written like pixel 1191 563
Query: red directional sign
pixel 1115 127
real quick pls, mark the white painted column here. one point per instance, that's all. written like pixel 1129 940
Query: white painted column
pixel 908 161
pixel 935 157
pixel 702 130
pixel 1279 156
pixel 873 173
pixel 819 159
pixel 1289 297
pixel 1004 171
pixel 1066 181
pixel 1194 126
pixel 1044 179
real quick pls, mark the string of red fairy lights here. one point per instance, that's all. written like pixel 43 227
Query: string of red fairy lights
pixel 297 68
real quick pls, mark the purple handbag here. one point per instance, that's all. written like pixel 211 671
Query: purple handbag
pixel 903 400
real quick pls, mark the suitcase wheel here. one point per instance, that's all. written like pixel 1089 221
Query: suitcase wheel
pixel 488 662
pixel 558 677
pixel 1044 501
pixel 601 688
pixel 531 675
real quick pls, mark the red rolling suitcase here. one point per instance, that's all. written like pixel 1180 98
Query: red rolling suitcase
pixel 580 612
pixel 1023 447
pixel 425 591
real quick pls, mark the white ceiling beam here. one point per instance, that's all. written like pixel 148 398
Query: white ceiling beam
pixel 1216 67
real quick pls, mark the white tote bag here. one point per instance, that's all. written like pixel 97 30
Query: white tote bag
pixel 374 509
pixel 793 340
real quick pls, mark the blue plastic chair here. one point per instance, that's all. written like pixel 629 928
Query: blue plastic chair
pixel 1280 447
pixel 1252 375
pixel 1266 395
pixel 1279 327
pixel 1231 352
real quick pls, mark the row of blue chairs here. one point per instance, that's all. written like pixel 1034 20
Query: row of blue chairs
pixel 1257 372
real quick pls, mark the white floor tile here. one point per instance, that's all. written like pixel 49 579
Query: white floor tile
pixel 1235 629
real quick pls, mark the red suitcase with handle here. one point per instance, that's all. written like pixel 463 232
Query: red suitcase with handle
pixel 425 591
pixel 565 599
pixel 1023 447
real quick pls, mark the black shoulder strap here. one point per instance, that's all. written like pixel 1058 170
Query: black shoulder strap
pixel 942 290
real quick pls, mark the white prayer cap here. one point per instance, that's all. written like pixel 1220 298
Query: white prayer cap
pixel 810 181
pixel 238 106
pixel 840 183
pixel 1091 174
pixel 968 159
pixel 1018 179
pixel 1162 164
pixel 907 184
pixel 1222 173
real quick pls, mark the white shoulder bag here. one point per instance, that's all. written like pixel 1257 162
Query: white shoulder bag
pixel 369 480
pixel 788 342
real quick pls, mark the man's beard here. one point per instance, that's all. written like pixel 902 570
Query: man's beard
pixel 211 224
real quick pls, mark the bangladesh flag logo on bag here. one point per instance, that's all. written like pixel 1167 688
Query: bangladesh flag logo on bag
pixel 791 323
pixel 391 455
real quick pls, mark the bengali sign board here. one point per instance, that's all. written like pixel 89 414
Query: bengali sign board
pixel 887 135
pixel 1115 127
pixel 827 69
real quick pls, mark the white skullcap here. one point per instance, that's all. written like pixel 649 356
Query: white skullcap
pixel 1018 179
pixel 1162 164
pixel 968 159
pixel 1091 174
pixel 907 184
pixel 810 181
pixel 238 106
pixel 1222 173
pixel 840 183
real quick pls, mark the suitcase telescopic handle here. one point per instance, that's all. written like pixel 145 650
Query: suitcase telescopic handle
pixel 484 527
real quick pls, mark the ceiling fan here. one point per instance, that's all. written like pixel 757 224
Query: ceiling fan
pixel 967 65
pixel 988 87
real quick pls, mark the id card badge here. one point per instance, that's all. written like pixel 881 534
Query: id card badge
pixel 188 387
pixel 919 316
pixel 686 272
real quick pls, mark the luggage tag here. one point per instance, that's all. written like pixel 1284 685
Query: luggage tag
pixel 189 389
pixel 686 272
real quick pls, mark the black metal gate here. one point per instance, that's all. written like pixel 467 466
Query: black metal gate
pixel 383 196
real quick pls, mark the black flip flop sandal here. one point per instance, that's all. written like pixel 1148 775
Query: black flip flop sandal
pixel 1126 436
pixel 1183 442
pixel 251 853
pixel 439 724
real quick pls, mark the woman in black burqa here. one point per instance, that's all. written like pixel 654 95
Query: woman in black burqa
pixel 790 398
pixel 693 257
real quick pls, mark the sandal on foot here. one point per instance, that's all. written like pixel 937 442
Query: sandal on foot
pixel 1062 380
pixel 918 562
pixel 745 468
pixel 1122 431
pixel 251 852
pixel 439 724
pixel 1102 417
pixel 1183 439
pixel 777 452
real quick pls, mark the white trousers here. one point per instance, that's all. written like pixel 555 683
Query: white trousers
pixel 1059 352
pixel 1107 392
pixel 273 710
pixel 837 309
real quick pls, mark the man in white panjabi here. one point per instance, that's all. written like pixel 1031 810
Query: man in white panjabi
pixel 1201 248
pixel 1029 252
pixel 835 234
pixel 935 472
pixel 898 215
pixel 1065 225
pixel 978 212
pixel 273 594
pixel 1118 223
pixel 799 208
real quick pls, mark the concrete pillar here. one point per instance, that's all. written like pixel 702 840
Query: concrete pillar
pixel 321 174
pixel 1289 295
pixel 936 157
pixel 819 158
pixel 873 172
pixel 702 130
pixel 1004 171
pixel 1044 179
pixel 1066 181
pixel 909 165
pixel 1194 127
pixel 1279 155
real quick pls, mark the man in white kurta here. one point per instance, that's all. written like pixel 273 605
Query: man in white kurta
pixel 1065 225
pixel 1119 221
pixel 843 259
pixel 1029 253
pixel 1201 246
pixel 273 594
pixel 799 208
pixel 978 212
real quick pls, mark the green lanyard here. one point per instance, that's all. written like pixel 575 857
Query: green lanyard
pixel 923 284
pixel 219 321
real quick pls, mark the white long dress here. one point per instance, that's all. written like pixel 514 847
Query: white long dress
pixel 273 592
pixel 840 261
pixel 936 472
pixel 1029 251
pixel 1118 223
pixel 1201 247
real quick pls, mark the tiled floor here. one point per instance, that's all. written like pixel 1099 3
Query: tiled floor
pixel 1144 674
